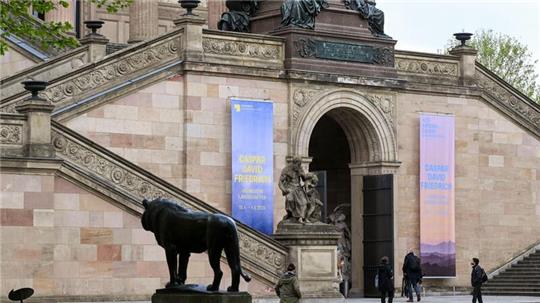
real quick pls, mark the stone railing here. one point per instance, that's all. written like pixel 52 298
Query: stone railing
pixel 95 78
pixel 508 100
pixel 242 49
pixel 45 71
pixel 261 255
pixel 424 64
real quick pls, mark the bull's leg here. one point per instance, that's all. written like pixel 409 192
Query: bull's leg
pixel 171 263
pixel 214 255
pixel 233 259
pixel 183 261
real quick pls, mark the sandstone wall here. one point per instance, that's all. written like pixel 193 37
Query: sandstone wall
pixel 179 129
pixel 13 62
pixel 64 241
pixel 497 183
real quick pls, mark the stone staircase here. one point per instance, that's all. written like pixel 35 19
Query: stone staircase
pixel 519 279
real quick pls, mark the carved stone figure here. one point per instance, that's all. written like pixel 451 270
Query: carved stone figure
pixel 290 184
pixel 237 18
pixel 181 232
pixel 374 16
pixel 314 207
pixel 301 13
pixel 338 218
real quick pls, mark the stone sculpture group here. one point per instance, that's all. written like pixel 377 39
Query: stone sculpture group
pixel 302 201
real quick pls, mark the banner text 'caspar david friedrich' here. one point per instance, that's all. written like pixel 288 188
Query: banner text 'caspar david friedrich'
pixel 252 163
pixel 437 221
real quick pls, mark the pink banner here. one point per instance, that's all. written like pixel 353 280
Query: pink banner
pixel 437 217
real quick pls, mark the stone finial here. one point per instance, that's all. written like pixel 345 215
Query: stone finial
pixel 189 5
pixel 38 115
pixel 96 41
pixel 467 58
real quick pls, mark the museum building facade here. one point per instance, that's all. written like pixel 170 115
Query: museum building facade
pixel 119 123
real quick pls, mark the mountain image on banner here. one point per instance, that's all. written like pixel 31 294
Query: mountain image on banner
pixel 438 260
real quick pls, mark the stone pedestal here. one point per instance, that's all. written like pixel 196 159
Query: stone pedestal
pixel 340 44
pixel 313 250
pixel 467 63
pixel 192 293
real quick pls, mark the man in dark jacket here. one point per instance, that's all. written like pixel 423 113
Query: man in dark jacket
pixel 386 280
pixel 477 278
pixel 413 274
pixel 287 288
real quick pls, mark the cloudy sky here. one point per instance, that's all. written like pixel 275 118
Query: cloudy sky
pixel 427 25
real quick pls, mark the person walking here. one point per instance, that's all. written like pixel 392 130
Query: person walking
pixel 287 288
pixel 413 273
pixel 385 280
pixel 478 276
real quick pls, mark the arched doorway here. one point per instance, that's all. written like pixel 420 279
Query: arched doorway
pixel 350 137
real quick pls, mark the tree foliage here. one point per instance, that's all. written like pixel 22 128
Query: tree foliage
pixel 16 19
pixel 509 59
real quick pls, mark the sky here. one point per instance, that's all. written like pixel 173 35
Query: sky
pixel 427 25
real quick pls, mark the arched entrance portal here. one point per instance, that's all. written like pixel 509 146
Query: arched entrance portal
pixel 351 141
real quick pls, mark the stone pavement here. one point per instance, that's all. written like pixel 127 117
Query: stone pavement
pixel 430 299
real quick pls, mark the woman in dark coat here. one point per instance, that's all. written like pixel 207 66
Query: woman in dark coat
pixel 386 280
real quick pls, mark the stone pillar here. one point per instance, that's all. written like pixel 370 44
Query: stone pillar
pixel 313 250
pixel 192 36
pixel 467 63
pixel 143 20
pixel 97 43
pixel 63 14
pixel 38 116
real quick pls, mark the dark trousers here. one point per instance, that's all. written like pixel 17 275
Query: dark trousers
pixel 413 287
pixel 385 293
pixel 477 294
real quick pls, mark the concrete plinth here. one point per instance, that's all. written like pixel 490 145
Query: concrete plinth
pixel 313 249
pixel 192 293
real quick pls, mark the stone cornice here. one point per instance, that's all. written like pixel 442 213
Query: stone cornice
pixel 261 255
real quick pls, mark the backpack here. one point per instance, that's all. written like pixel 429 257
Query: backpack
pixel 484 276
pixel 415 264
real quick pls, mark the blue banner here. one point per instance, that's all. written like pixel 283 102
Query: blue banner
pixel 252 163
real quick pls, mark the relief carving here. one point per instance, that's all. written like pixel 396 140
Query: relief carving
pixel 11 134
pixel 241 49
pixel 92 79
pixel 419 66
pixel 385 104
pixel 301 97
pixel 508 99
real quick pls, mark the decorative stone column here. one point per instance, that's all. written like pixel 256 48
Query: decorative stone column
pixel 467 59
pixel 313 250
pixel 96 42
pixel 63 14
pixel 143 20
pixel 38 115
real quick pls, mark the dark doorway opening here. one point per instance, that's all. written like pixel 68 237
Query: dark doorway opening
pixel 331 155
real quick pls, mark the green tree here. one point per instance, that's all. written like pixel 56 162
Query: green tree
pixel 15 19
pixel 508 58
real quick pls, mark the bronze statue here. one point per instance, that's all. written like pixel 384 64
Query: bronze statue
pixel 301 13
pixel 373 15
pixel 237 18
pixel 181 231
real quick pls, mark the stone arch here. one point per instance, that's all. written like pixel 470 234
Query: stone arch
pixel 370 133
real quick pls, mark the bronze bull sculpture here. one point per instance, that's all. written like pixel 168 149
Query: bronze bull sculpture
pixel 181 232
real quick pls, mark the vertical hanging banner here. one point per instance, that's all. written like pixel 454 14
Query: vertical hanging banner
pixel 437 216
pixel 252 163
